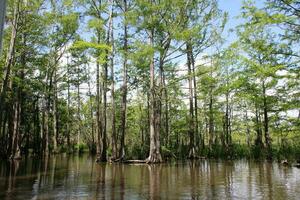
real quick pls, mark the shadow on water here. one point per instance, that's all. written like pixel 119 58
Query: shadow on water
pixel 79 177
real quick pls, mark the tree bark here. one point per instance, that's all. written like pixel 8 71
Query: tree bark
pixel 192 151
pixel 54 113
pixel 247 128
pixel 154 153
pixel 266 122
pixel 91 116
pixel 210 115
pixel 15 149
pixel 98 120
pixel 198 135
pixel 124 86
pixel 103 156
pixel 46 128
pixel 258 141
pixel 113 112
pixel 68 107
pixel 167 129
pixel 227 122
pixel 78 108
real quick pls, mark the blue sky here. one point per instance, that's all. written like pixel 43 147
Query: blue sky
pixel 233 7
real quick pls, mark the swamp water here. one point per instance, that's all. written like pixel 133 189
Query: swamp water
pixel 79 177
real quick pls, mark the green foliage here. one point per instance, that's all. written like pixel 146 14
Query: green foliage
pixel 240 85
pixel 85 45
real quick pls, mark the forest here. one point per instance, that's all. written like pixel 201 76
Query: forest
pixel 149 80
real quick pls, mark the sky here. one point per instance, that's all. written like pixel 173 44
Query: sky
pixel 233 8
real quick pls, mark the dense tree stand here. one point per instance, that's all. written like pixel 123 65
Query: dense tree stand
pixel 142 81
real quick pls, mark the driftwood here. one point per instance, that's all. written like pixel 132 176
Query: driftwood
pixel 122 160
pixel 134 161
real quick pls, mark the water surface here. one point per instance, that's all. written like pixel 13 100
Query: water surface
pixel 79 177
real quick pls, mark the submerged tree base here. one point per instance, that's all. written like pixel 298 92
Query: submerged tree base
pixel 155 158
pixel 193 154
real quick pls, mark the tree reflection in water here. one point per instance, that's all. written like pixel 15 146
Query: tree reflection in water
pixel 79 177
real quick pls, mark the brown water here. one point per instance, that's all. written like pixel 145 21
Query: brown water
pixel 79 177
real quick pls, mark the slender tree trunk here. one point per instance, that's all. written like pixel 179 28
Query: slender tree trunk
pixel 166 111
pixel 113 114
pixel 98 113
pixel 227 122
pixel 124 86
pixel 192 151
pixel 15 150
pixel 142 126
pixel 99 124
pixel 147 139
pixel 247 128
pixel 159 96
pixel 258 141
pixel 78 109
pixel 39 116
pixel 68 108
pixel 42 133
pixel 266 123
pixel 103 157
pixel 163 94
pixel 154 153
pixel 210 116
pixel 91 115
pixel 198 135
pixel 46 129
pixel 47 95
pixel 211 122
pixel 54 113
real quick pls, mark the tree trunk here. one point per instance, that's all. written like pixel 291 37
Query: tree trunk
pixel 124 87
pixel 167 140
pixel 227 122
pixel 258 141
pixel 6 85
pixel 78 109
pixel 99 146
pixel 266 123
pixel 98 120
pixel 165 44
pixel 198 135
pixel 247 128
pixel 15 149
pixel 54 113
pixel 103 156
pixel 210 115
pixel 92 116
pixel 46 130
pixel 113 114
pixel 68 108
pixel 154 153
pixel 192 151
